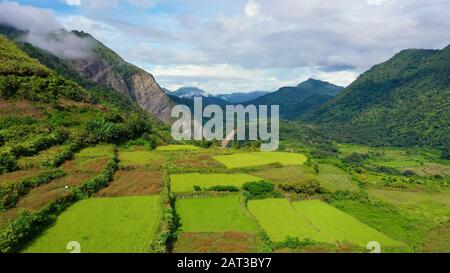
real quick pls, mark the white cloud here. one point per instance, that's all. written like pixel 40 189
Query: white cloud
pixel 262 44
pixel 73 2
pixel 39 23
pixel 252 8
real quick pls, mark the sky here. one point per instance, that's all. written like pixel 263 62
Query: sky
pixel 225 46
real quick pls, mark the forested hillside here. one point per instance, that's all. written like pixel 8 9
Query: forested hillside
pixel 404 102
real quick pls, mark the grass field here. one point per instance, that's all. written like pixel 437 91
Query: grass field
pixel 138 158
pixel 186 182
pixel 313 220
pixel 243 160
pixel 333 178
pixel 99 151
pixel 431 204
pixel 103 225
pixel 177 148
pixel 214 214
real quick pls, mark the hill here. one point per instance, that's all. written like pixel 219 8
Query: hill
pixel 404 101
pixel 40 109
pixel 298 100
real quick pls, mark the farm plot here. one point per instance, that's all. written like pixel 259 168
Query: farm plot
pixel 98 225
pixel 287 174
pixel 214 214
pixel 140 159
pixel 186 182
pixel 141 174
pixel 313 220
pixel 134 182
pixel 279 219
pixel 339 225
pixel 243 160
pixel 169 148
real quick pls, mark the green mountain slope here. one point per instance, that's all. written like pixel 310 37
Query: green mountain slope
pixel 404 101
pixel 40 109
pixel 298 100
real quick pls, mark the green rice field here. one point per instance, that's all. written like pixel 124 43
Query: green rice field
pixel 313 220
pixel 186 182
pixel 103 225
pixel 243 160
pixel 214 214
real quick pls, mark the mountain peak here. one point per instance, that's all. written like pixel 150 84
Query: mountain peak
pixel 313 82
pixel 189 92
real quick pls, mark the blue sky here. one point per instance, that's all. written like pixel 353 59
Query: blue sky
pixel 243 45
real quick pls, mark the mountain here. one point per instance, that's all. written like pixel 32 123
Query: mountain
pixel 186 95
pixel 40 108
pixel 101 66
pixel 240 97
pixel 404 101
pixel 298 100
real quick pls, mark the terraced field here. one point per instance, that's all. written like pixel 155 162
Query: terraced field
pixel 186 182
pixel 170 148
pixel 98 224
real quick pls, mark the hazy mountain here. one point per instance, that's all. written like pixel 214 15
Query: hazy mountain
pixel 102 66
pixel 404 101
pixel 300 99
pixel 240 97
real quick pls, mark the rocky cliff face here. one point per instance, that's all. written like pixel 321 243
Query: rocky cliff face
pixel 138 85
pixel 107 68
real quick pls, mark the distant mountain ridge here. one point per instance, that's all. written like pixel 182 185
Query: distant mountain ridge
pixel 298 100
pixel 240 97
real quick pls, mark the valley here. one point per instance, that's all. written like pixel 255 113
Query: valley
pixel 295 205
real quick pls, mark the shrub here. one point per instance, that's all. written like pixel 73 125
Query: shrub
pixel 223 188
pixel 308 187
pixel 356 159
pixel 361 196
pixel 8 163
pixel 294 243
pixel 2 141
pixel 259 190
pixel 197 188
